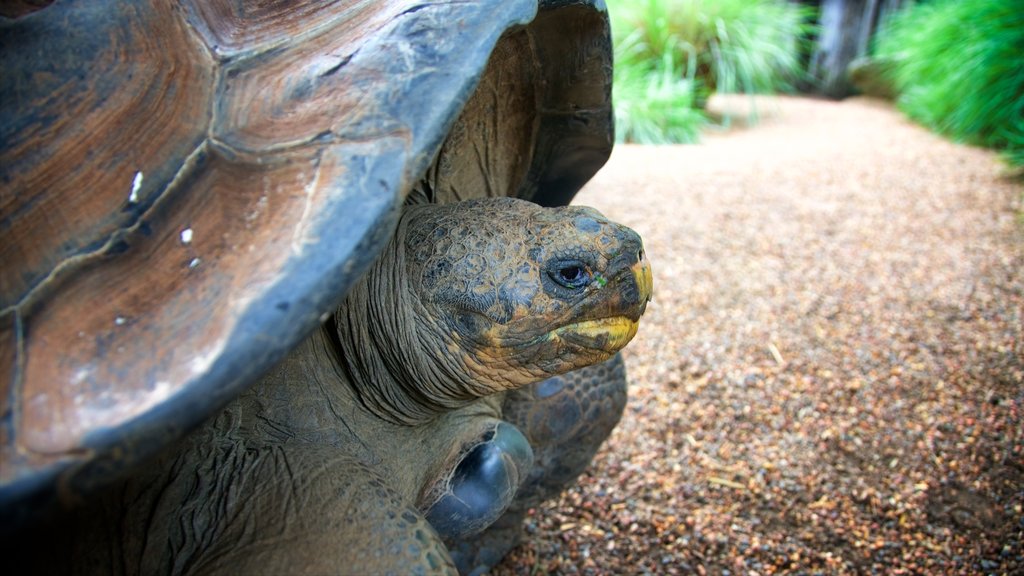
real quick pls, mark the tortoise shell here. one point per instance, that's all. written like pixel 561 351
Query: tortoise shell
pixel 190 186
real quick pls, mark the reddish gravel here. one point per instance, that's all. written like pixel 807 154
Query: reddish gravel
pixel 831 377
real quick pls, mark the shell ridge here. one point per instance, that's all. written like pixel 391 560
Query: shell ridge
pixel 147 207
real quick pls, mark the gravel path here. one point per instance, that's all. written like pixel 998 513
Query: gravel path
pixel 831 377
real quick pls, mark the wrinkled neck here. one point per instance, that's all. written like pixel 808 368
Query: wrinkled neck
pixel 395 360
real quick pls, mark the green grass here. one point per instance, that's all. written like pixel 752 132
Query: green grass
pixel 958 68
pixel 671 55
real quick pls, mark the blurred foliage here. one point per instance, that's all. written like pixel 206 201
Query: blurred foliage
pixel 671 55
pixel 654 99
pixel 958 68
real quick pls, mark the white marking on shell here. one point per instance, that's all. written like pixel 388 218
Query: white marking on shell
pixel 195 262
pixel 258 209
pixel 161 390
pixel 201 363
pixel 133 197
pixel 120 320
pixel 81 375
pixel 186 236
pixel 301 227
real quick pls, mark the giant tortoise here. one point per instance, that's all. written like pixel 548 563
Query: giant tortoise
pixel 286 287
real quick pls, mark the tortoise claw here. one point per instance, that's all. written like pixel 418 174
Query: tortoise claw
pixel 483 484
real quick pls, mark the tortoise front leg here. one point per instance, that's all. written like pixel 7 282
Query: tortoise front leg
pixel 566 419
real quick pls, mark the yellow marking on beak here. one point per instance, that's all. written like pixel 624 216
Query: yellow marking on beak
pixel 644 279
pixel 618 330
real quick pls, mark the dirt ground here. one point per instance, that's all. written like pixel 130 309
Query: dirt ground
pixel 830 379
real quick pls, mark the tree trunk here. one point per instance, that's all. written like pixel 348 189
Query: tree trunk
pixel 839 41
pixel 846 30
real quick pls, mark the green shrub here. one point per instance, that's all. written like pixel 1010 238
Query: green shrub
pixel 958 68
pixel 671 53
pixel 654 102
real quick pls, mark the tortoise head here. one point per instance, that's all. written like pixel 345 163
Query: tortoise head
pixel 519 292
pixel 499 293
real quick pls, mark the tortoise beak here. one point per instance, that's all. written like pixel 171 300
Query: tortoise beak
pixel 630 297
pixel 644 279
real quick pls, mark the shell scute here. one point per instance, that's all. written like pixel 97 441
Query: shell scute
pixel 107 96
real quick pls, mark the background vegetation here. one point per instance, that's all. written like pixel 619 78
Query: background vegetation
pixel 957 67
pixel 671 55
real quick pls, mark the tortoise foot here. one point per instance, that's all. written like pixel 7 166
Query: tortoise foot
pixel 479 554
pixel 483 483
pixel 566 419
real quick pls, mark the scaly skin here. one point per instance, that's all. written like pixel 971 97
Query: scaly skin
pixel 383 433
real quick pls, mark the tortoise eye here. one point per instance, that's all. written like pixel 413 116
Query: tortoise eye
pixel 572 276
